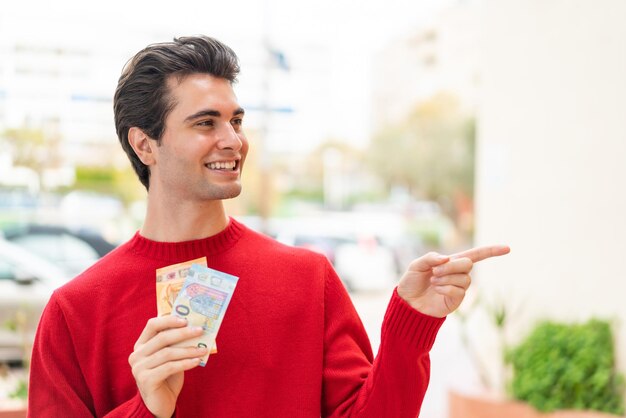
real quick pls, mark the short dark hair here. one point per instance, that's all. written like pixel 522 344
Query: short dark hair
pixel 142 97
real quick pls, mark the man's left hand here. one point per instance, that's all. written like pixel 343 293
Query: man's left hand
pixel 436 284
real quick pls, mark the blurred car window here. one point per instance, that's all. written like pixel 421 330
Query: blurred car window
pixel 68 252
pixel 6 270
pixel 73 250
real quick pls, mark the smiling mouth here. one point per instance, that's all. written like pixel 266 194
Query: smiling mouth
pixel 223 165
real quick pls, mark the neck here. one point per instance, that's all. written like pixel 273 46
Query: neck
pixel 176 221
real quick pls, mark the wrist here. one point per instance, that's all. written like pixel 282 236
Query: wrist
pixel 419 304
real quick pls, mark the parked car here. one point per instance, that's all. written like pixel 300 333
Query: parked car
pixel 363 263
pixel 366 265
pixel 322 244
pixel 26 283
pixel 73 250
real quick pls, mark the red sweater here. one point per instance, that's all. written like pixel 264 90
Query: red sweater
pixel 291 344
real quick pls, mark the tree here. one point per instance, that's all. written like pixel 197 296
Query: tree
pixel 34 148
pixel 430 154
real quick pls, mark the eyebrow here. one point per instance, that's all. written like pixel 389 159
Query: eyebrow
pixel 214 113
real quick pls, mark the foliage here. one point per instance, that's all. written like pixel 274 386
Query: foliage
pixel 303 177
pixel 432 230
pixel 27 146
pixel 568 366
pixel 431 153
pixel 17 323
pixel 301 194
pixel 122 183
pixel 21 391
pixel 11 324
pixel 35 148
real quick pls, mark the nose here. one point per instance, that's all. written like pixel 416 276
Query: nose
pixel 228 138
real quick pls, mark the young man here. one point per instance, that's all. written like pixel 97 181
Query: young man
pixel 291 344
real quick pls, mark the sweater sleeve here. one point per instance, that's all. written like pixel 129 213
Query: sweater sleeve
pixel 57 386
pixel 394 384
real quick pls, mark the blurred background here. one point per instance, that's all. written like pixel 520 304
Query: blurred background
pixel 379 131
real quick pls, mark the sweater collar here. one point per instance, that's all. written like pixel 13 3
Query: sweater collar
pixel 187 250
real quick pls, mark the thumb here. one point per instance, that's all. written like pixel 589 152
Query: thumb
pixel 426 262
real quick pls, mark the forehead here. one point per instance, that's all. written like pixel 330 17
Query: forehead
pixel 197 92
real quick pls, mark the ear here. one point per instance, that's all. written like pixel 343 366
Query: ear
pixel 142 145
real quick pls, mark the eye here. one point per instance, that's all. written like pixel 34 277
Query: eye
pixel 205 123
pixel 237 123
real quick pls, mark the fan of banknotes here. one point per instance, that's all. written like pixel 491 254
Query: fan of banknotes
pixel 200 294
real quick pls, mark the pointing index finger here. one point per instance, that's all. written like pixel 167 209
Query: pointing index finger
pixel 480 253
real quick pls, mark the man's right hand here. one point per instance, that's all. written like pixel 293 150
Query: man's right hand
pixel 158 367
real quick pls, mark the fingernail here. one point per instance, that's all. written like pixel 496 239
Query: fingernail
pixel 437 271
pixel 196 329
pixel 181 321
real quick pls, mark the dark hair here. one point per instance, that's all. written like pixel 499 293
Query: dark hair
pixel 142 97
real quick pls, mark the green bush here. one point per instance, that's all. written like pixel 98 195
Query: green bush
pixel 568 366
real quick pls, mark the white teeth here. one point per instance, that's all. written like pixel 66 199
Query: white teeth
pixel 222 165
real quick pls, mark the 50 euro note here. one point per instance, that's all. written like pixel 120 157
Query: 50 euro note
pixel 169 281
pixel 203 301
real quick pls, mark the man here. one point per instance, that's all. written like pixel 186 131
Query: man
pixel 291 344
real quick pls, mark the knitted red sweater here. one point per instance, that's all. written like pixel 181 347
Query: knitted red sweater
pixel 291 344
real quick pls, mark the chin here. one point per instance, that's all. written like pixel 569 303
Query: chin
pixel 225 193
pixel 232 196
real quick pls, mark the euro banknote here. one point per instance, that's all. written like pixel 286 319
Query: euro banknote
pixel 203 301
pixel 169 281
